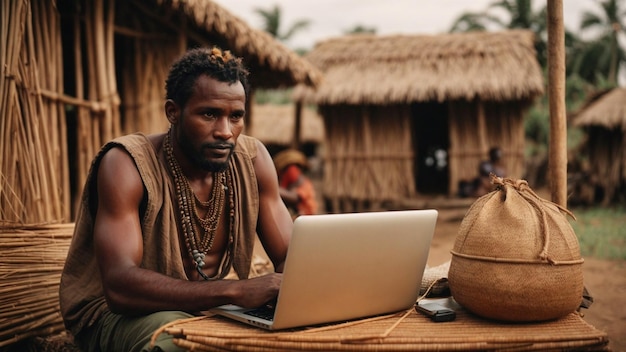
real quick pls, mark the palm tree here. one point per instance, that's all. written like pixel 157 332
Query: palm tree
pixel 273 18
pixel 471 21
pixel 360 29
pixel 521 16
pixel 605 50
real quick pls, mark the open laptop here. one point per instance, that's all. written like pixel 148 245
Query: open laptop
pixel 341 267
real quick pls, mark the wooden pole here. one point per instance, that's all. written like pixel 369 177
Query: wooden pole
pixel 297 127
pixel 557 160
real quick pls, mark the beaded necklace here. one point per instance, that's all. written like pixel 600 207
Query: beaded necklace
pixel 199 232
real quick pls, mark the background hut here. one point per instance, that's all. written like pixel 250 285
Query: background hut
pixel 416 114
pixel 276 124
pixel 604 120
pixel 76 74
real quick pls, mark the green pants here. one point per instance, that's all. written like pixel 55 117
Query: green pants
pixel 114 332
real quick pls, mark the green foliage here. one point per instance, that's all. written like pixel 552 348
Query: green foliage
pixel 593 61
pixel 518 15
pixel 273 23
pixel 361 29
pixel 601 232
pixel 273 96
pixel 537 123
pixel 605 52
pixel 576 91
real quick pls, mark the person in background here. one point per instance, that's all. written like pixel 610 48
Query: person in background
pixel 296 189
pixel 482 184
pixel 495 159
pixel 164 218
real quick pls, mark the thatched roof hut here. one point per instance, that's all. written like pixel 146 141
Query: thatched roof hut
pixel 607 110
pixel 390 103
pixel 83 72
pixel 275 125
pixel 604 120
pixel 271 63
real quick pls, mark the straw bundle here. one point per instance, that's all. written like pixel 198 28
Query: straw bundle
pixel 30 268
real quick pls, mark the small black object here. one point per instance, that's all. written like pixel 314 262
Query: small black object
pixel 436 312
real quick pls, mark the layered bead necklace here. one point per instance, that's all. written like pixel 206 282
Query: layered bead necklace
pixel 199 232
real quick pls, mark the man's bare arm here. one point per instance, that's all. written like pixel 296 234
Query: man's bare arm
pixel 130 289
pixel 275 223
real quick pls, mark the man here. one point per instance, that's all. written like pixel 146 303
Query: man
pixel 164 218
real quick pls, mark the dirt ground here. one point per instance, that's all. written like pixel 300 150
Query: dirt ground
pixel 605 280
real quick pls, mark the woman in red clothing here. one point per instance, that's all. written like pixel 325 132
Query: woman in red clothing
pixel 296 189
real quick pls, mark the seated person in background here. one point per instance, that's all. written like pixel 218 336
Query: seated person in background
pixel 481 185
pixel 495 160
pixel 164 218
pixel 295 188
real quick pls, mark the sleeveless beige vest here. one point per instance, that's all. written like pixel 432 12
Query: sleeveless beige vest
pixel 80 293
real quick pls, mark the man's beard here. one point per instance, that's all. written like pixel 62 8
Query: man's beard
pixel 197 158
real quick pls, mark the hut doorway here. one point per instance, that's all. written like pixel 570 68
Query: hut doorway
pixel 431 144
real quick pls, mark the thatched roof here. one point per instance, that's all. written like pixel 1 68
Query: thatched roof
pixel 271 63
pixel 608 110
pixel 274 124
pixel 406 68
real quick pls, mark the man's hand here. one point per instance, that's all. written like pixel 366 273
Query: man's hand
pixel 260 290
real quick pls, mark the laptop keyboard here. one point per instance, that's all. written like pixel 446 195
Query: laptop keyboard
pixel 264 312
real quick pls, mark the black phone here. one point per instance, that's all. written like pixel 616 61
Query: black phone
pixel 435 311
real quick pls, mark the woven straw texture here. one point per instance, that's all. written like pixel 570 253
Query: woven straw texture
pixel 31 261
pixel 412 332
pixel 516 257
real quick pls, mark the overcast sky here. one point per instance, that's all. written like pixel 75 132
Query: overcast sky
pixel 331 18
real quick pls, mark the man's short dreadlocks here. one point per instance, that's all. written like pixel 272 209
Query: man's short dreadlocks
pixel 215 63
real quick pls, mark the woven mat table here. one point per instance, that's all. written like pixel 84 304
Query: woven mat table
pixel 405 331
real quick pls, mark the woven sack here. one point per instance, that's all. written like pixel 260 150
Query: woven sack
pixel 516 257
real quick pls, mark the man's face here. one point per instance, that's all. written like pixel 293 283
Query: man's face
pixel 210 123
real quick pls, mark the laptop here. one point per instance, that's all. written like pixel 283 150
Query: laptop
pixel 341 267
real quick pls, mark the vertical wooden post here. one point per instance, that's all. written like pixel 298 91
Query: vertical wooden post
pixel 297 127
pixel 557 160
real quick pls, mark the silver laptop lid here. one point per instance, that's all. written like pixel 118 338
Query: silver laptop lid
pixel 347 266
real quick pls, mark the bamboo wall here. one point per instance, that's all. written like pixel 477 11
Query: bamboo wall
pixel 45 132
pixel 143 77
pixel 55 133
pixel 369 155
pixel 474 129
pixel 97 109
pixel 34 186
